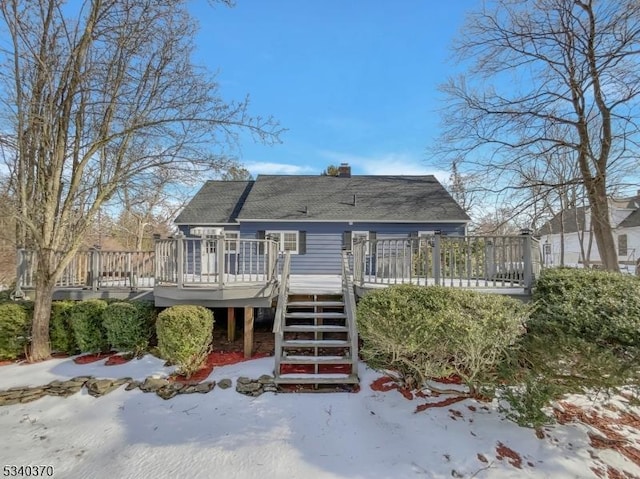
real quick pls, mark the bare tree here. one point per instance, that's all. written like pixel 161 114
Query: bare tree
pixel 563 75
pixel 97 93
pixel 461 189
pixel 236 173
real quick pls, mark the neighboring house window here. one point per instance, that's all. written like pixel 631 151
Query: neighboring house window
pixel 622 245
pixel 358 235
pixel 287 240
pixel 232 238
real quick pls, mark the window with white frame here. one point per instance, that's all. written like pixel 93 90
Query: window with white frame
pixel 210 243
pixel 232 238
pixel 359 235
pixel 287 240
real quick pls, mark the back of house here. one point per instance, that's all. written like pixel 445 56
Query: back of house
pixel 317 217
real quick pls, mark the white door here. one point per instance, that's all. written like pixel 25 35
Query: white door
pixel 208 257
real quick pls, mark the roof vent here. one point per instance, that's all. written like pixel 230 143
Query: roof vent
pixel 344 170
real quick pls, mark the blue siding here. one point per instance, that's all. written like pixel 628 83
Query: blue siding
pixel 324 240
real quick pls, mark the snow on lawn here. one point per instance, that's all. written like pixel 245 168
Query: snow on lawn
pixel 225 434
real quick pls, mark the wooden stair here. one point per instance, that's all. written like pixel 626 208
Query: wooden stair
pixel 314 346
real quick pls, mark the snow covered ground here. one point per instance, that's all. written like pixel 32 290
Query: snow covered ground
pixel 224 434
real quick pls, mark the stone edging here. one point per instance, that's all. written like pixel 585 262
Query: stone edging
pixel 162 387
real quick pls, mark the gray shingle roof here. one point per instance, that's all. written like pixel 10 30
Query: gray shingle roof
pixel 573 220
pixel 397 198
pixel 280 197
pixel 632 220
pixel 216 202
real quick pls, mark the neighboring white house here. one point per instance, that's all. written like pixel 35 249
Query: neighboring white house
pixel 578 238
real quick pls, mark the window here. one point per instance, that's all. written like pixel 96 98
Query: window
pixel 210 244
pixel 622 245
pixel 359 235
pixel 287 240
pixel 232 238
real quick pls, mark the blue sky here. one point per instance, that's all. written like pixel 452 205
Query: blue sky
pixel 352 80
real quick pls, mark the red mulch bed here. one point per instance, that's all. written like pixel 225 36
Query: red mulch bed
pixel 118 359
pixel 512 456
pixel 386 383
pixel 215 358
pixel 92 358
pixel 610 438
pixel 453 379
pixel 443 403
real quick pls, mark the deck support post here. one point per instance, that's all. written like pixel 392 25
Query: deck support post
pixel 527 260
pixel 231 324
pixel 95 269
pixel 180 259
pixel 248 332
pixel 437 260
pixel 220 259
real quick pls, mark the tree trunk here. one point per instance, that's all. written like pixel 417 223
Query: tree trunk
pixel 601 225
pixel 40 345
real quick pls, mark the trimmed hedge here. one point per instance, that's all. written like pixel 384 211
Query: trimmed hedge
pixel 86 322
pixel 594 305
pixel 129 326
pixel 433 332
pixel 184 336
pixel 60 332
pixel 15 322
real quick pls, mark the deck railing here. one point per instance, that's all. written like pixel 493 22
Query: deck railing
pixel 350 310
pixel 217 260
pixel 93 269
pixel 281 309
pixel 462 261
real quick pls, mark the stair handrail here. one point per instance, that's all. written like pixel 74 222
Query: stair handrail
pixel 282 295
pixel 350 310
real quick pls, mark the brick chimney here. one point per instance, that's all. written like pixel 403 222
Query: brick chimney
pixel 344 170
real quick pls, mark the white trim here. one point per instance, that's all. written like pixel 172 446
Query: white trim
pixel 213 225
pixel 426 233
pixel 281 240
pixel 353 221
pixel 206 231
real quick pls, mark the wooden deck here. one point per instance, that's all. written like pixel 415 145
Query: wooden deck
pixel 218 272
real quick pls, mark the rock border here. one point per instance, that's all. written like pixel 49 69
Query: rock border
pixel 162 387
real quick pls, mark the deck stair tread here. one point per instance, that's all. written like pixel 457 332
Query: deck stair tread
pixel 319 304
pixel 317 379
pixel 312 343
pixel 311 314
pixel 315 360
pixel 307 328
